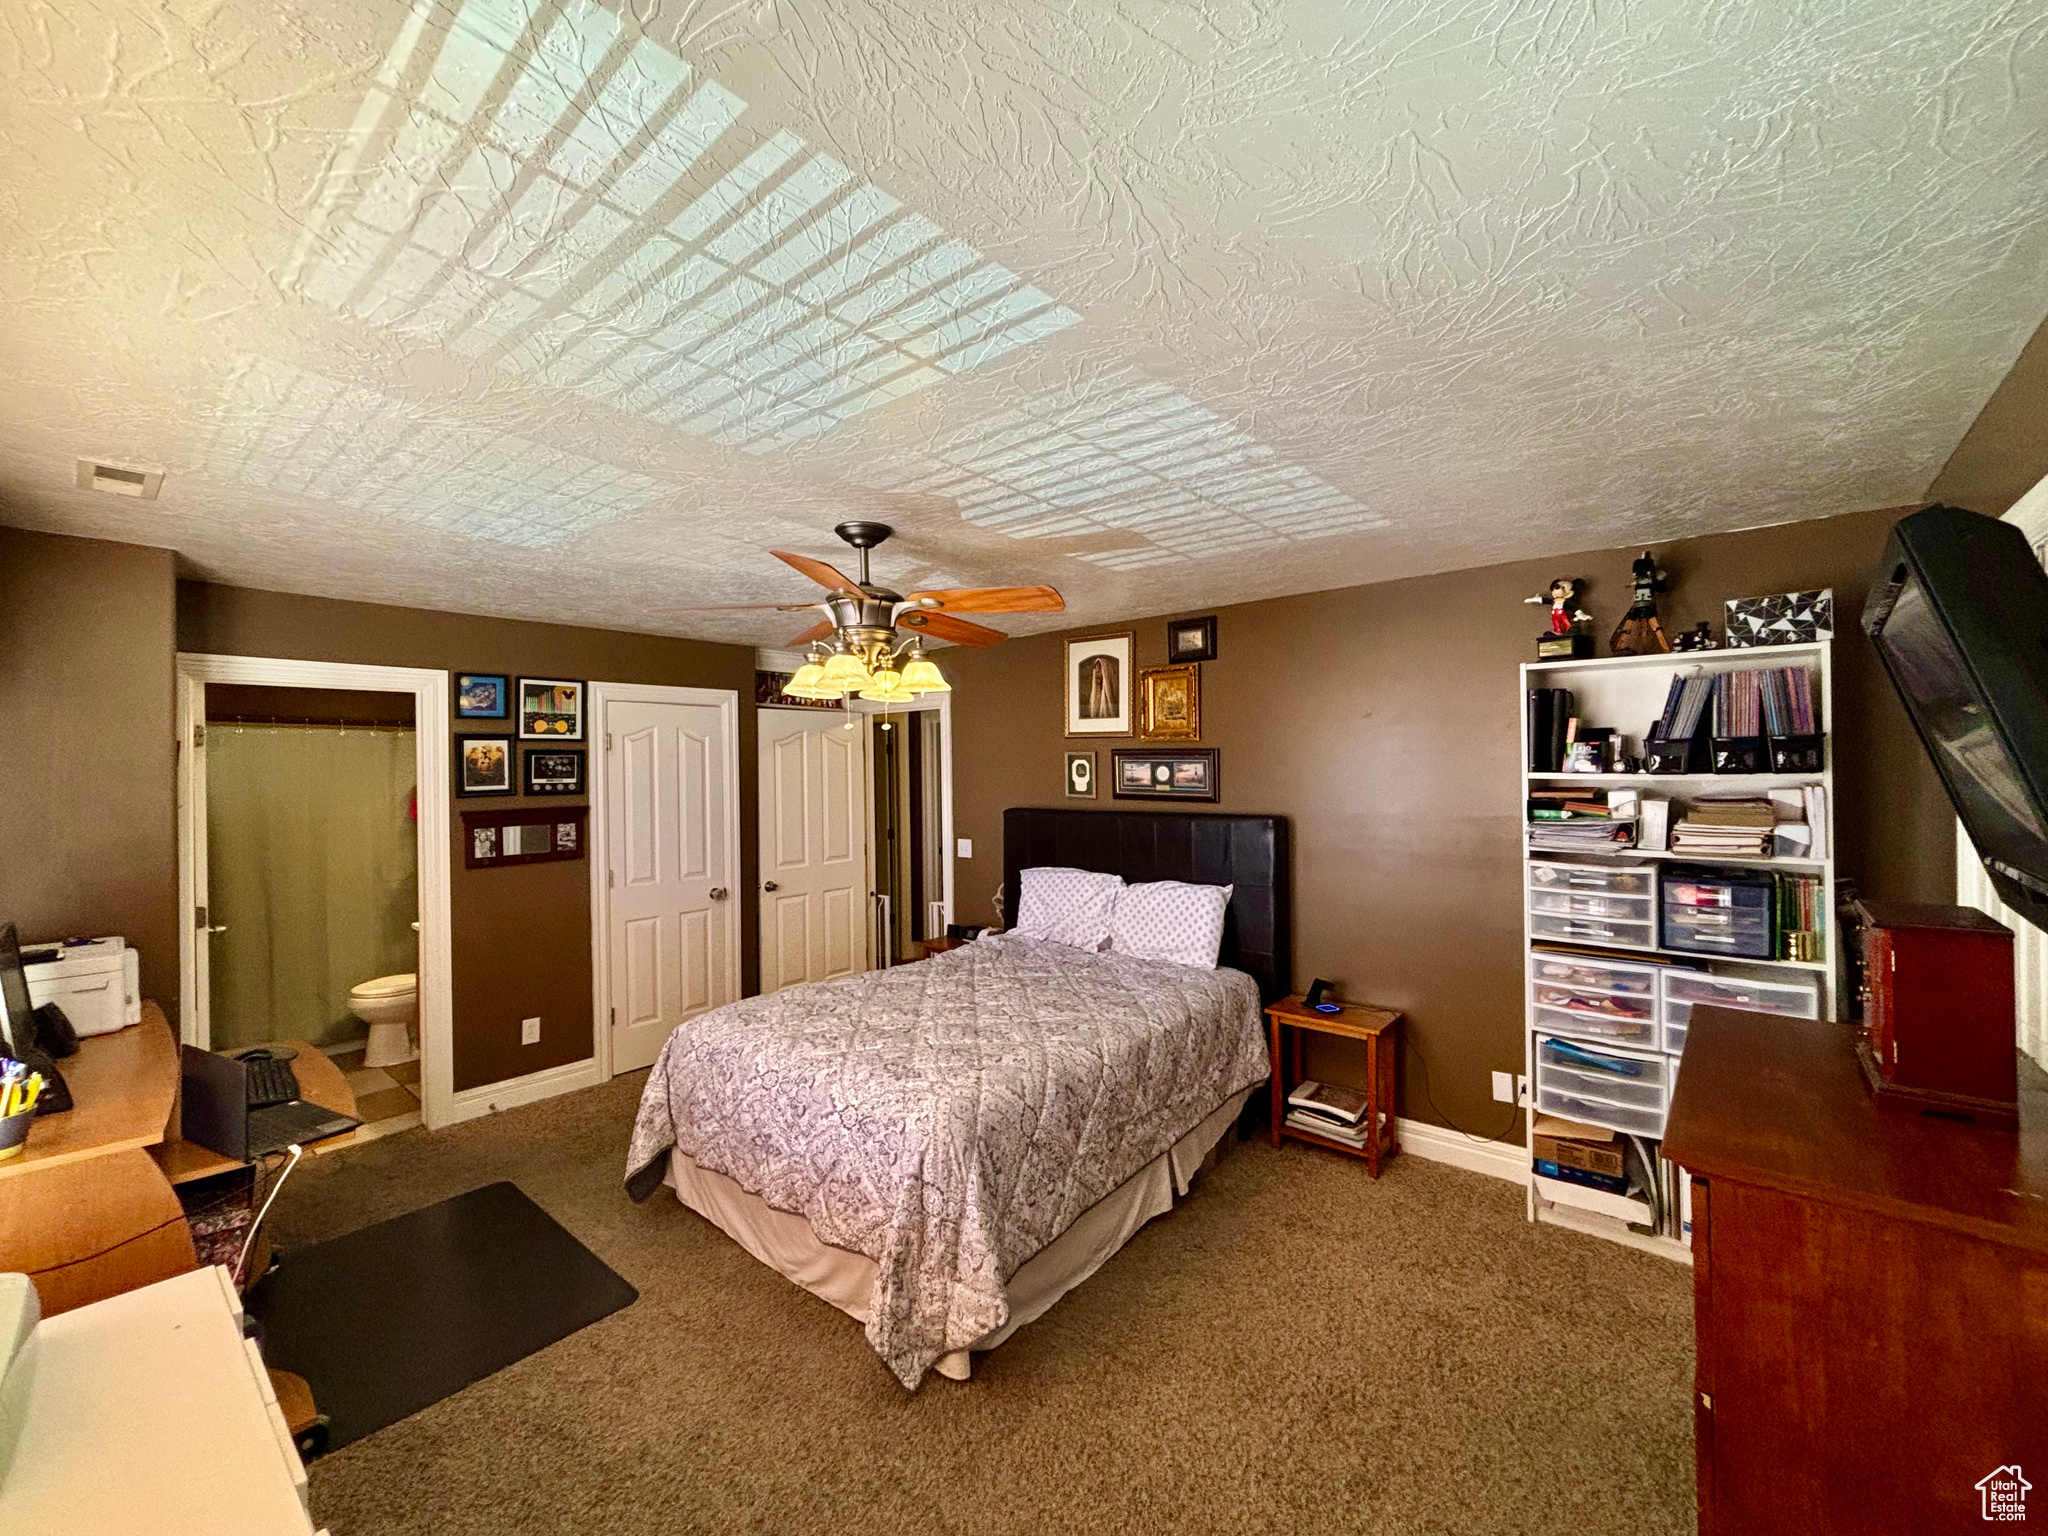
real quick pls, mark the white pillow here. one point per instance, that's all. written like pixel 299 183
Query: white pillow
pixel 1170 920
pixel 1066 906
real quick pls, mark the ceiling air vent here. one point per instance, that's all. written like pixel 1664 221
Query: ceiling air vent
pixel 119 479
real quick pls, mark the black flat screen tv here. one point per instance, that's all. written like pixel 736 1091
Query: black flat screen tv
pixel 1959 612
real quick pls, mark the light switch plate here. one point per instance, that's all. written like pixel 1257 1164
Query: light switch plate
pixel 1504 1087
pixel 529 1031
pixel 965 846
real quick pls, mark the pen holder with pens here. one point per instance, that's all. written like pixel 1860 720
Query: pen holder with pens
pixel 14 1133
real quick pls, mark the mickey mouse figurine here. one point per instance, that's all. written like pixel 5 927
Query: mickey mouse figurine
pixel 1566 637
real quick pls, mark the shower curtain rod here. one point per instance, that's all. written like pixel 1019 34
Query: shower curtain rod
pixel 318 725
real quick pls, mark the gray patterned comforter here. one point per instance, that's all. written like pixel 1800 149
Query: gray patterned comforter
pixel 949 1119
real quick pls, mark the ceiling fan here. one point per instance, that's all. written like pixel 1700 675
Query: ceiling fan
pixel 855 647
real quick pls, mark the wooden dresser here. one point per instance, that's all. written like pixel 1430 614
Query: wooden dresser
pixel 1870 1290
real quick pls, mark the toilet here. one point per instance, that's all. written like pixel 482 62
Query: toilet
pixel 388 1004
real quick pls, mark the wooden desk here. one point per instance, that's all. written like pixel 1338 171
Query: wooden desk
pixel 1870 1288
pixel 88 1209
pixel 1379 1029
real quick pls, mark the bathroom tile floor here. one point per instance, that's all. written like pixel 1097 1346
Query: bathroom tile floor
pixel 387 1098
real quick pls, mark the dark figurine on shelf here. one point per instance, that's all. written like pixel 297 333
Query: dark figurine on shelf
pixel 1639 633
pixel 1700 639
pixel 1569 637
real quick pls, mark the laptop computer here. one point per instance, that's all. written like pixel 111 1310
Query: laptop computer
pixel 217 1114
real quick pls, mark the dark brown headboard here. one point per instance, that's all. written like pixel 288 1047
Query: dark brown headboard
pixel 1248 852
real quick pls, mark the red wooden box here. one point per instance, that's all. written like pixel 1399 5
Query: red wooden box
pixel 1938 1010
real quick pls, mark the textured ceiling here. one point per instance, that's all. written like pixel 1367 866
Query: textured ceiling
pixel 544 308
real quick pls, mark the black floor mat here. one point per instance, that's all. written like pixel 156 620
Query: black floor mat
pixel 384 1321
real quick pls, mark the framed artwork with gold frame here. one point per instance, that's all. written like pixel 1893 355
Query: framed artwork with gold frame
pixel 1170 703
pixel 1100 696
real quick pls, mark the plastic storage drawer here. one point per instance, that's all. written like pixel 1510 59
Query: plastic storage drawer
pixel 1613 1088
pixel 1620 934
pixel 1615 1020
pixel 1590 973
pixel 1564 903
pixel 1593 879
pixel 1708 913
pixel 1680 990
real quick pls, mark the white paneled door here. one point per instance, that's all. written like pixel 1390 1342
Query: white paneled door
pixel 672 920
pixel 814 846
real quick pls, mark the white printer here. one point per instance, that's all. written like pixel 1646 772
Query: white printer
pixel 98 984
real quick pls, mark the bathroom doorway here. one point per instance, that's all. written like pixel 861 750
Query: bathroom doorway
pixel 911 799
pixel 313 857
pixel 312 889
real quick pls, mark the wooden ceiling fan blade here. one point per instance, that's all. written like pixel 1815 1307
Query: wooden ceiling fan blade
pixel 822 630
pixel 943 626
pixel 993 599
pixel 818 571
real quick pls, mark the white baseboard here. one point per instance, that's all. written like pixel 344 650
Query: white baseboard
pixel 1497 1159
pixel 514 1091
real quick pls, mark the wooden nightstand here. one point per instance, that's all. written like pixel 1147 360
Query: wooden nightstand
pixel 1379 1028
pixel 938 946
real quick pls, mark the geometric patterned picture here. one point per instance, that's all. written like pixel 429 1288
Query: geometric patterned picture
pixel 1791 618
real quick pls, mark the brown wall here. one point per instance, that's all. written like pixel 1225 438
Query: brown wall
pixel 88 822
pixel 521 934
pixel 2005 452
pixel 1383 721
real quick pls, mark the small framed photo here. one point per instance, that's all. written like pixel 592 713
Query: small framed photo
pixel 550 709
pixel 554 770
pixel 1080 775
pixel 1099 685
pixel 483 696
pixel 483 765
pixel 1189 773
pixel 1191 639
pixel 1170 703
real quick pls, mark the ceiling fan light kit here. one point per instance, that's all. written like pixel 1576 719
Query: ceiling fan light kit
pixel 856 647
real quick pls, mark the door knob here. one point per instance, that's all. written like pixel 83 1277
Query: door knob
pixel 718 893
pixel 218 928
pixel 771 886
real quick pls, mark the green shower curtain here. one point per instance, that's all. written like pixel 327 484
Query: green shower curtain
pixel 312 866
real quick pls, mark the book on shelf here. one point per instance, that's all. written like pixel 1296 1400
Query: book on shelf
pixel 1549 711
pixel 1335 1130
pixel 1729 828
pixel 1330 1100
pixel 1571 1173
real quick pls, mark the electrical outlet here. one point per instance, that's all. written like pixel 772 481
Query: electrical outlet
pixel 1504 1087
pixel 966 847
pixel 529 1031
pixel 1521 1090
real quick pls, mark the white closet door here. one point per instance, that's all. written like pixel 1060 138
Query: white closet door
pixel 671 906
pixel 814 846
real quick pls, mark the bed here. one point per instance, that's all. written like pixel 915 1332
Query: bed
pixel 944 1149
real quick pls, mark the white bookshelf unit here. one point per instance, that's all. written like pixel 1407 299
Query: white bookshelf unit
pixel 1628 972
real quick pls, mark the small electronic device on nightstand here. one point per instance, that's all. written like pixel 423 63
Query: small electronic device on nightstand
pixel 1318 997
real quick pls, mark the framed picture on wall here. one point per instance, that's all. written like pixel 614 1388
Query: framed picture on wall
pixel 1170 703
pixel 1191 639
pixel 1099 686
pixel 554 770
pixel 550 709
pixel 482 696
pixel 1080 775
pixel 1188 773
pixel 483 765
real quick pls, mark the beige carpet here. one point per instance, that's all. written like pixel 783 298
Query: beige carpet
pixel 1294 1349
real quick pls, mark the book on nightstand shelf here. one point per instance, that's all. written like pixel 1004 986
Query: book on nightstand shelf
pixel 1329 1101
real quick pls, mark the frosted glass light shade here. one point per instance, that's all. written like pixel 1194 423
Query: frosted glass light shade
pixel 887 688
pixel 846 674
pixel 809 683
pixel 922 676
